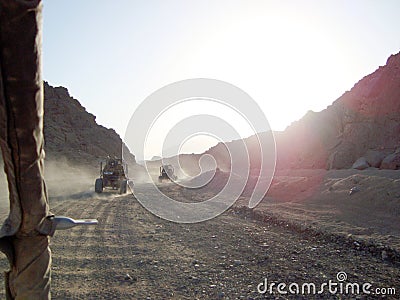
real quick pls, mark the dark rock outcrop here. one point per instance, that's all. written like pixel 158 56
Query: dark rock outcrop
pixel 71 132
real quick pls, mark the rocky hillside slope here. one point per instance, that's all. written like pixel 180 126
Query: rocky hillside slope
pixel 362 125
pixel 363 119
pixel 72 133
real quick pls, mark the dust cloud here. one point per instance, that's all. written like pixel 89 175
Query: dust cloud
pixel 64 180
pixel 69 180
pixel 138 173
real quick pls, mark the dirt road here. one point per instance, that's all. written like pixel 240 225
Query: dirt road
pixel 132 254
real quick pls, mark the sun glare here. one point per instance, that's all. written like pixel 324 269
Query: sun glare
pixel 195 143
pixel 284 63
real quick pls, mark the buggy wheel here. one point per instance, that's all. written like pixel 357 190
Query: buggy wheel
pixel 98 186
pixel 123 187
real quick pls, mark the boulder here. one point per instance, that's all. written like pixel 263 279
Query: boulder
pixel 361 164
pixel 374 158
pixel 391 162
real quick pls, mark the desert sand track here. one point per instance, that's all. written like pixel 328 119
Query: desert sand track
pixel 132 254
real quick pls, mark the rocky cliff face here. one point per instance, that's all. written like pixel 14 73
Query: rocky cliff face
pixel 72 133
pixel 363 123
pixel 365 118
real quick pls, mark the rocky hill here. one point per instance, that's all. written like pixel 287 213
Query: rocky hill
pixel 72 133
pixel 362 125
pixel 364 121
pixel 360 129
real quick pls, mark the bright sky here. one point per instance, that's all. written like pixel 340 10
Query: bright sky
pixel 289 56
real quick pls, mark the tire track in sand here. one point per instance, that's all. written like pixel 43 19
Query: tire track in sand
pixel 75 250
